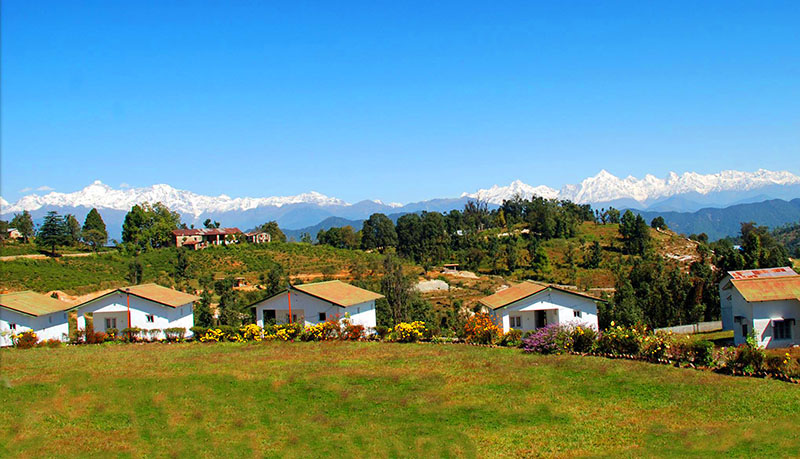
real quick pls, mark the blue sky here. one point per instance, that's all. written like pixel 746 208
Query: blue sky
pixel 397 101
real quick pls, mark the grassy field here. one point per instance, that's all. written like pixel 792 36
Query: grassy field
pixel 377 399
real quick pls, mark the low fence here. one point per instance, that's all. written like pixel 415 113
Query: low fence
pixel 700 327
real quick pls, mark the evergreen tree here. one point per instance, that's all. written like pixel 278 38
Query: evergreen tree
pixel 94 230
pixel 53 232
pixel 73 228
pixel 306 238
pixel 202 311
pixel 181 264
pixel 594 256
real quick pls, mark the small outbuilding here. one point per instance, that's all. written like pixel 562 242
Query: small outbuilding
pixel 765 302
pixel 24 311
pixel 318 302
pixel 146 306
pixel 530 305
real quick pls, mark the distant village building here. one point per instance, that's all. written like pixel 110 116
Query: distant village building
pixel 761 301
pixel 13 233
pixel 200 238
pixel 318 302
pixel 530 305
pixel 258 237
pixel 24 311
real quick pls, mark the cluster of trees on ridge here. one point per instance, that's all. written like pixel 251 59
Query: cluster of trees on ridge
pixel 59 231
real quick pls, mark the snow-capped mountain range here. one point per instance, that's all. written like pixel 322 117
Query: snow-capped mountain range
pixel 605 187
pixel 685 192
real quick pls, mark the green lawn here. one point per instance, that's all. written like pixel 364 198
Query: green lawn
pixel 377 399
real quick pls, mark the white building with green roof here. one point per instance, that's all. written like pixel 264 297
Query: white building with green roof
pixel 23 311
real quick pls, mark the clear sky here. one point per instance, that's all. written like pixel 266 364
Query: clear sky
pixel 393 100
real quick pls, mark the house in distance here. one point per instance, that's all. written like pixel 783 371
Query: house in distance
pixel 530 305
pixel 200 238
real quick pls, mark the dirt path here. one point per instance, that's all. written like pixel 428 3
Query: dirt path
pixel 39 256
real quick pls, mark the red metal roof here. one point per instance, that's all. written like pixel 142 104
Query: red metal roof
pixel 762 273
pixel 769 288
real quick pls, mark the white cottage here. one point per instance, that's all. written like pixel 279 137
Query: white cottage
pixel 764 301
pixel 147 306
pixel 23 311
pixel 311 304
pixel 530 305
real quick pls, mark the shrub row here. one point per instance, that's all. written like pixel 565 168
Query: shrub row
pixel 638 342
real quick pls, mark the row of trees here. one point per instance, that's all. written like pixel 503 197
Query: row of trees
pixel 57 230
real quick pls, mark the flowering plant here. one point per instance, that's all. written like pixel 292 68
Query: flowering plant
pixel 481 329
pixel 408 332
pixel 621 340
pixel 552 339
pixel 25 340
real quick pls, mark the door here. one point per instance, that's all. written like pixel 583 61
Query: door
pixel 269 316
pixel 541 319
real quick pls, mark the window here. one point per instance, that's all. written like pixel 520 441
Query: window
pixel 269 316
pixel 150 318
pixel 12 326
pixel 782 329
pixel 358 310
pixel 744 330
pixel 322 317
pixel 50 319
pixel 577 313
pixel 515 322
pixel 111 322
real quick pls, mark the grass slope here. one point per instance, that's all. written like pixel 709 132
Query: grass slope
pixel 87 274
pixel 367 399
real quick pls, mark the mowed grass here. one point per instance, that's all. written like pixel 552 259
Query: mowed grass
pixel 376 399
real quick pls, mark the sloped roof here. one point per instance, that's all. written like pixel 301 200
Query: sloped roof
pixel 338 292
pixel 769 288
pixel 762 273
pixel 524 290
pixel 32 303
pixel 153 292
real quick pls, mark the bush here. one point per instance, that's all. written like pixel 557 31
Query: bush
pixel 252 332
pixel 481 329
pixel 552 339
pixel 112 333
pixel 152 334
pixel 175 334
pixel 657 346
pixel 747 357
pixel 382 332
pixel 78 336
pixel 352 332
pixel 619 340
pixel 584 339
pixel 703 353
pixel 51 343
pixel 288 332
pixel 408 332
pixel 96 338
pixel 511 339
pixel 198 331
pixel 25 340
pixel 131 334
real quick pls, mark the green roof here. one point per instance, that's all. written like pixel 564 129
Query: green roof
pixel 32 303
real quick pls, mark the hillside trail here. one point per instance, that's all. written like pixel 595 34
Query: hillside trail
pixel 39 256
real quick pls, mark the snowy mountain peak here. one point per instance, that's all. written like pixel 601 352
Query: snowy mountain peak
pixel 185 202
